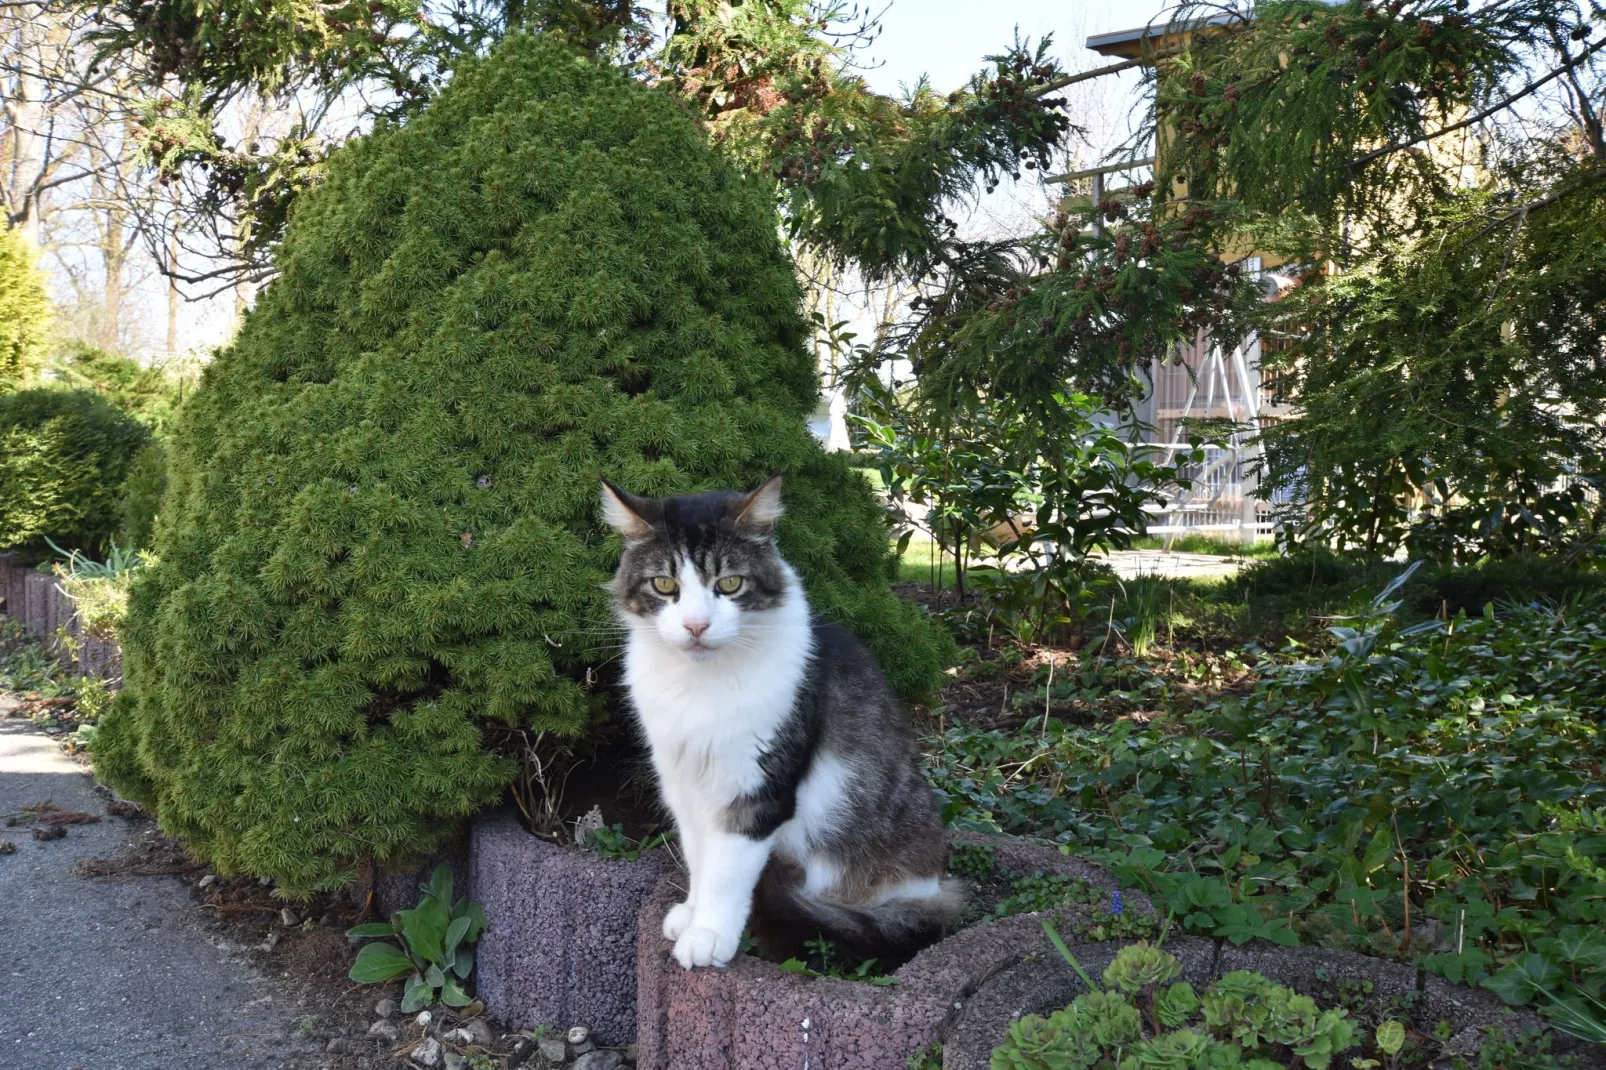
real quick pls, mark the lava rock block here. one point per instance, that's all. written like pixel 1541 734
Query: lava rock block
pixel 560 948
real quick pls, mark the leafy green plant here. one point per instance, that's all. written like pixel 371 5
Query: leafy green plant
pixel 1048 504
pixel 433 947
pixel 1143 1018
pixel 98 589
pixel 25 666
pixel 1140 608
pixel 822 959
pixel 1428 793
pixel 610 841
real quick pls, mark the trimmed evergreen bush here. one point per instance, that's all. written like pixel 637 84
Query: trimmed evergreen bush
pixel 142 497
pixel 380 537
pixel 24 308
pixel 64 458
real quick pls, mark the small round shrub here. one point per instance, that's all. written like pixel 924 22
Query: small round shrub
pixel 380 543
pixel 64 458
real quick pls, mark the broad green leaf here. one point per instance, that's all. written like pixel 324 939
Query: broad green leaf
pixel 440 884
pixel 463 962
pixel 453 996
pixel 373 928
pixel 1390 1037
pixel 454 936
pixel 377 963
pixel 425 929
pixel 417 995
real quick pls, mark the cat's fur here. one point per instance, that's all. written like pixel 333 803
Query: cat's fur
pixel 779 747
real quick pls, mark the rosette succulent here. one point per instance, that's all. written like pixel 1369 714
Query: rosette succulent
pixel 1139 1022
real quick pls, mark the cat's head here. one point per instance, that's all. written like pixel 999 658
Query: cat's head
pixel 697 567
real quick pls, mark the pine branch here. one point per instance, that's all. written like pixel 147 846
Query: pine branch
pixel 1525 91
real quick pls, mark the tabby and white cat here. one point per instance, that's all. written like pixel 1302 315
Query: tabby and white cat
pixel 789 767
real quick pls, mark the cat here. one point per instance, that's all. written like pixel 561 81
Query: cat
pixel 790 769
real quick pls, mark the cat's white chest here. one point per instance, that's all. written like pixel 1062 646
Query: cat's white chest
pixel 709 721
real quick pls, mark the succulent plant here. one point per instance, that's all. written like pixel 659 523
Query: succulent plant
pixel 1176 1004
pixel 1243 1022
pixel 1139 965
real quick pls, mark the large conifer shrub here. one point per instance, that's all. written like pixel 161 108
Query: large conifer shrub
pixel 64 459
pixel 24 308
pixel 380 534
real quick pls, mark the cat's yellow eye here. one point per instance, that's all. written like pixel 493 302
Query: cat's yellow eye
pixel 665 585
pixel 729 584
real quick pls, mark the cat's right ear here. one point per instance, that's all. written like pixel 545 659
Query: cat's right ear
pixel 625 513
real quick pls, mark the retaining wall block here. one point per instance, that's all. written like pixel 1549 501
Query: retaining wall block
pixel 753 1015
pixel 561 945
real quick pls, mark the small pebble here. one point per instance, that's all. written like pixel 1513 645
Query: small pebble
pixel 208 880
pixel 553 1050
pixel 385 1008
pixel 423 1019
pixel 583 1047
pixel 456 1062
pixel 270 943
pixel 288 919
pixel 480 1030
pixel 599 1060
pixel 460 1036
pixel 385 1031
pixel 428 1053
pixel 579 1034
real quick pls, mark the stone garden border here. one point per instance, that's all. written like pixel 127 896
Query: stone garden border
pixel 755 1016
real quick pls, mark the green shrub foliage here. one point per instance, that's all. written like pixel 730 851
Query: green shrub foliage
pixel 142 497
pixel 64 457
pixel 380 537
pixel 24 308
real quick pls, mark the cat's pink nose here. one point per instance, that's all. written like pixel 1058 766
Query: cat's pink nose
pixel 696 627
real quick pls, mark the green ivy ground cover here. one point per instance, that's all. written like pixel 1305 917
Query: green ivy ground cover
pixel 1431 794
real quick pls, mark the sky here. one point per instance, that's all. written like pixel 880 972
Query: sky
pixel 946 39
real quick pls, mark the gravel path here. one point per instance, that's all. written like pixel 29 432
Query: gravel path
pixel 116 974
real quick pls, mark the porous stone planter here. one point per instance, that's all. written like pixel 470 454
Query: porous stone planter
pixel 560 946
pixel 754 1016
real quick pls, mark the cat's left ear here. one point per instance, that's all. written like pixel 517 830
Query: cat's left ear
pixel 626 513
pixel 761 508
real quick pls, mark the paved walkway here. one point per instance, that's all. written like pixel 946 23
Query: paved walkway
pixel 1130 564
pixel 115 974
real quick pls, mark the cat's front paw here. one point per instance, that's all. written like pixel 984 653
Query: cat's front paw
pixel 678 920
pixel 705 947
